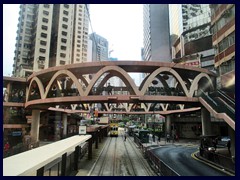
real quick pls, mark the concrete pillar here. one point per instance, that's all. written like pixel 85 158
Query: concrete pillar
pixel 57 126
pixel 35 126
pixel 64 121
pixel 168 124
pixel 231 133
pixel 206 122
pixel 57 130
pixel 96 134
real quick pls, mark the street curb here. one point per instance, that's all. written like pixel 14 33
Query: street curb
pixel 214 164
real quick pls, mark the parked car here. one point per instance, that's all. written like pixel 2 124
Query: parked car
pixel 223 140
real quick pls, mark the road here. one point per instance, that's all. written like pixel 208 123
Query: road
pixel 121 158
pixel 179 158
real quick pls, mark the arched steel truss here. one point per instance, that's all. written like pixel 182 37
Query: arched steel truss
pixel 188 80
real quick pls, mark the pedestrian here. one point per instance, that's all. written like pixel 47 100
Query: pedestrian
pixel 177 138
pixel 6 147
pixel 214 142
pixel 229 146
pixel 125 136
pixel 168 138
pixel 153 137
pixel 5 96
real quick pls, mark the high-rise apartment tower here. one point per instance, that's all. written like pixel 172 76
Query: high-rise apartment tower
pixel 50 35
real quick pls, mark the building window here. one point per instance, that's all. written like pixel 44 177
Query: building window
pixel 64 33
pixel 64 26
pixel 44 43
pixel 64 40
pixel 63 47
pixel 42 50
pixel 65 19
pixel 44 35
pixel 62 62
pixel 66 6
pixel 45 20
pixel 27 46
pixel 44 27
pixel 46 13
pixel 28 31
pixel 29 17
pixel 65 12
pixel 63 55
pixel 41 58
pixel 231 38
pixel 78 59
pixel 46 5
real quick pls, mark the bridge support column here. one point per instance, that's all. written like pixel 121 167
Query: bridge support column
pixel 96 134
pixel 168 124
pixel 64 119
pixel 206 121
pixel 100 135
pixel 35 126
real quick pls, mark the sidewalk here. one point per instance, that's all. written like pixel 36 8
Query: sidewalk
pixel 163 142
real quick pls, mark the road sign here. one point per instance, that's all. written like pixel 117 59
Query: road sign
pixel 82 130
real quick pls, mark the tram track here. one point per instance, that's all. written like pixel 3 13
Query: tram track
pixel 129 157
pixel 120 158
pixel 140 159
pixel 101 160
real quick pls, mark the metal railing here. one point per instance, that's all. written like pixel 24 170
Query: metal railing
pixel 223 161
pixel 157 164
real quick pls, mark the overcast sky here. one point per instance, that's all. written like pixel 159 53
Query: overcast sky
pixel 120 24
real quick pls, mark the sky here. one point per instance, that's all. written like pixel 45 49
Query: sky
pixel 120 24
pixel 10 21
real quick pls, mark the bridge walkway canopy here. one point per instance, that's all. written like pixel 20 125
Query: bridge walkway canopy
pixel 31 161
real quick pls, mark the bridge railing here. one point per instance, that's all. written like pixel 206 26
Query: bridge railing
pixel 218 106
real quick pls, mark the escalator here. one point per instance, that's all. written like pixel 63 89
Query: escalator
pixel 220 105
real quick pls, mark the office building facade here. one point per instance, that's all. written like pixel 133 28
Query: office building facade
pixel 223 39
pixel 192 45
pixel 156 33
pixel 50 35
pixel 99 47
